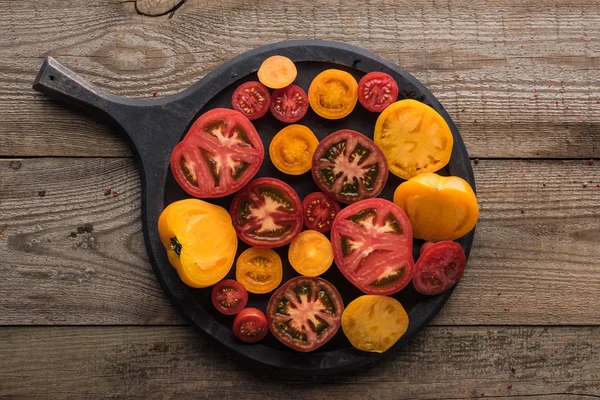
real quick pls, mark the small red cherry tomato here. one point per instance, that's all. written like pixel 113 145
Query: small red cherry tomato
pixel 251 99
pixel 376 91
pixel 250 325
pixel 289 104
pixel 319 211
pixel 229 297
pixel 439 267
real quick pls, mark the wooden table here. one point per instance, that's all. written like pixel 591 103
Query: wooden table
pixel 81 311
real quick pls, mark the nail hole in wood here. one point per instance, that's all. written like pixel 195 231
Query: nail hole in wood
pixel 51 77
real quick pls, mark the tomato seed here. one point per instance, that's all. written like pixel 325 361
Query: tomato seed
pixel 107 191
pixel 499 293
pixel 509 386
pixel 555 350
pixel 590 162
pixel 544 378
pixel 115 194
pixel 154 94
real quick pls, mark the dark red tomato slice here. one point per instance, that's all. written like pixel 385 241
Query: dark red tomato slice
pixel 425 246
pixel 250 325
pixel 319 211
pixel 377 90
pixel 372 246
pixel 229 297
pixel 266 213
pixel 349 167
pixel 251 99
pixel 305 313
pixel 289 104
pixel 439 267
pixel 220 153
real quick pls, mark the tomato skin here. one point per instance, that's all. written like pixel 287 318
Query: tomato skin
pixel 425 246
pixel 251 99
pixel 333 94
pixel 292 149
pixel 319 211
pixel 219 154
pixel 289 104
pixel 372 246
pixel 376 91
pixel 259 270
pixel 310 253
pixel 229 297
pixel 277 72
pixel 439 267
pixel 250 325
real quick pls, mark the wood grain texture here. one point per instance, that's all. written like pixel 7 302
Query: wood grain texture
pixel 76 255
pixel 176 362
pixel 518 77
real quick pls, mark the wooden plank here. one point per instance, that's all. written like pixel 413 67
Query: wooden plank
pixel 169 362
pixel 536 244
pixel 518 77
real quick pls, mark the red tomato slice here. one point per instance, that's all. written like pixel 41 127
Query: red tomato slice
pixel 305 313
pixel 250 325
pixel 319 211
pixel 229 297
pixel 439 267
pixel 289 104
pixel 372 246
pixel 251 99
pixel 376 91
pixel 266 213
pixel 220 153
pixel 349 167
pixel 425 246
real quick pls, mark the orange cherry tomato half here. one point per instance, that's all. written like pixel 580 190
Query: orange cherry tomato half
pixel 229 297
pixel 310 253
pixel 376 91
pixel 251 99
pixel 292 149
pixel 250 325
pixel 333 94
pixel 277 72
pixel 259 270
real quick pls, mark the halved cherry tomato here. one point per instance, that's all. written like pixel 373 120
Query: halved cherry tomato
pixel 374 323
pixel 333 94
pixel 376 91
pixel 310 253
pixel 277 72
pixel 251 99
pixel 305 312
pixel 266 213
pixel 414 138
pixel 289 104
pixel 220 153
pixel 372 246
pixel 291 150
pixel 439 267
pixel 319 211
pixel 250 325
pixel 349 167
pixel 259 270
pixel 229 297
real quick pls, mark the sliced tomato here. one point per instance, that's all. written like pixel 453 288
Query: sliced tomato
pixel 259 270
pixel 292 149
pixel 377 90
pixel 251 99
pixel 439 267
pixel 220 153
pixel 333 94
pixel 277 72
pixel 289 104
pixel 349 167
pixel 372 246
pixel 266 213
pixel 250 325
pixel 229 297
pixel 425 246
pixel 319 211
pixel 310 253
pixel 305 312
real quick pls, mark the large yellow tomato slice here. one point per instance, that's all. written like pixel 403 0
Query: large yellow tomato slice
pixel 374 323
pixel 438 207
pixel 311 253
pixel 414 138
pixel 333 94
pixel 200 241
pixel 291 150
pixel 259 270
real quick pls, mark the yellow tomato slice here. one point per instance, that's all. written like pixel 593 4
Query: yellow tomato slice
pixel 414 138
pixel 291 150
pixel 438 207
pixel 277 72
pixel 201 259
pixel 374 323
pixel 259 270
pixel 310 253
pixel 333 94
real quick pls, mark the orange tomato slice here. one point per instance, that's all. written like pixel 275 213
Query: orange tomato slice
pixel 291 150
pixel 277 72
pixel 311 253
pixel 259 270
pixel 333 94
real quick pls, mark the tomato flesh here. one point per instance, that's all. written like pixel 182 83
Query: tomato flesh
pixel 319 211
pixel 229 297
pixel 259 270
pixel 305 313
pixel 250 325
pixel 333 94
pixel 251 99
pixel 289 104
pixel 310 253
pixel 376 91
pixel 266 213
pixel 349 167
pixel 439 267
pixel 372 246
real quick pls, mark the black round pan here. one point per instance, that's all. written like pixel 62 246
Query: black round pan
pixel 155 126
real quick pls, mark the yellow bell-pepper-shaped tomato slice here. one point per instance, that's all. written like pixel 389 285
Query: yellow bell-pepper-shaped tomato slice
pixel 438 207
pixel 200 241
